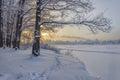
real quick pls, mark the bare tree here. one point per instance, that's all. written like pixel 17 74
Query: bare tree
pixel 1 33
pixel 12 13
pixel 10 23
pixel 19 24
pixel 36 43
pixel 57 13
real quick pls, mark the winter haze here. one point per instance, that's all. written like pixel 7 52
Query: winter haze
pixel 59 40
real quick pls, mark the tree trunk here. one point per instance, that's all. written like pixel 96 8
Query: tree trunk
pixel 16 43
pixel 1 33
pixel 18 32
pixel 36 43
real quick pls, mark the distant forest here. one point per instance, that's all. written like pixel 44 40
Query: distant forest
pixel 91 42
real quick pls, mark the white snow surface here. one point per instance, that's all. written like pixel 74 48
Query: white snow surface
pixel 102 61
pixel 21 65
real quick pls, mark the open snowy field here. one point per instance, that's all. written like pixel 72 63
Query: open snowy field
pixel 50 65
pixel 101 60
pixel 71 62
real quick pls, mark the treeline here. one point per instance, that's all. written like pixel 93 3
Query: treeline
pixel 101 42
pixel 87 42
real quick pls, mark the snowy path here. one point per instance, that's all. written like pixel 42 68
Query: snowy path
pixel 20 65
pixel 45 74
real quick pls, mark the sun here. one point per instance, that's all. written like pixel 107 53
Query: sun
pixel 44 34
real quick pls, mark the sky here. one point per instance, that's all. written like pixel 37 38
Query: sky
pixel 111 9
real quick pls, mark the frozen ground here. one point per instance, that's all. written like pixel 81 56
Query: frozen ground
pixel 50 65
pixel 101 60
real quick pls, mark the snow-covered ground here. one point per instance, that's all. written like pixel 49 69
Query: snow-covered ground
pixel 50 65
pixel 101 60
